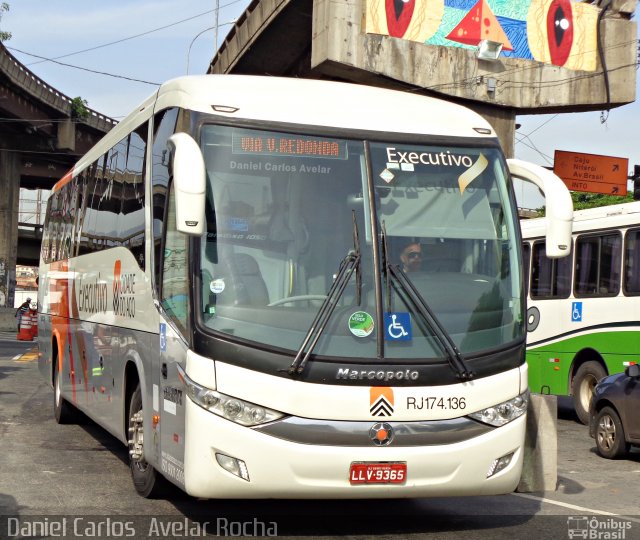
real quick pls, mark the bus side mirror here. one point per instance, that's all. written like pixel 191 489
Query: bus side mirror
pixel 189 182
pixel 559 207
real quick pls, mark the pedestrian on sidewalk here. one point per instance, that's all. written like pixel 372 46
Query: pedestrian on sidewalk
pixel 22 309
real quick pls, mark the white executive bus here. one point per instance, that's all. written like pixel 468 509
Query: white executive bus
pixel 583 310
pixel 220 290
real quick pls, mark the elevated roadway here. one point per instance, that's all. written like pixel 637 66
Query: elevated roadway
pixel 41 137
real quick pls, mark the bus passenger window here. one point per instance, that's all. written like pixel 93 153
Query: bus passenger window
pixel 550 278
pixel 598 261
pixel 632 262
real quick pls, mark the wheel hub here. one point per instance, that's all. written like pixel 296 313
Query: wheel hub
pixel 606 432
pixel 136 437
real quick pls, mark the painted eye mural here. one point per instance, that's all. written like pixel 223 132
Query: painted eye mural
pixel 563 33
pixel 399 13
pixel 560 31
pixel 414 20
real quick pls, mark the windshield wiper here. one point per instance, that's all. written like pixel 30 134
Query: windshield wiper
pixel 348 265
pixel 440 333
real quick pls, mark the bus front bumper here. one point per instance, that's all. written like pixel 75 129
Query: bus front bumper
pixel 278 468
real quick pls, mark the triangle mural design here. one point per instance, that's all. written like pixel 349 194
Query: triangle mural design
pixel 480 23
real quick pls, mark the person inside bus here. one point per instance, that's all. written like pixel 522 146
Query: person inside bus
pixel 411 257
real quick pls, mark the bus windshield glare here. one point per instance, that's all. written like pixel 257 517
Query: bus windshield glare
pixel 282 210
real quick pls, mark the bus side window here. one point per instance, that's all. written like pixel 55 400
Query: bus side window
pixel 526 261
pixel 164 125
pixel 550 278
pixel 632 262
pixel 175 267
pixel 598 265
pixel 131 220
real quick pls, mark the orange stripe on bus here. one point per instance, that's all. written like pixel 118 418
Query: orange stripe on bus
pixel 60 315
pixel 64 180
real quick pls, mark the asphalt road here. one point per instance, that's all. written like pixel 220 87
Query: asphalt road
pixel 75 480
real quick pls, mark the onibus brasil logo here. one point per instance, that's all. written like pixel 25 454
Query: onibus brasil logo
pixel 597 528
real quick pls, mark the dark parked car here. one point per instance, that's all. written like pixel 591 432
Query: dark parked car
pixel 615 413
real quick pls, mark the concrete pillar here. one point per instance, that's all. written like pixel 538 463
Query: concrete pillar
pixel 9 202
pixel 503 121
pixel 66 136
pixel 540 472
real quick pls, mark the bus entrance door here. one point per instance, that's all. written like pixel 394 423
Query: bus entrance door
pixel 171 404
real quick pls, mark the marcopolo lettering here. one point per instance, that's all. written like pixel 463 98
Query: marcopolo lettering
pixel 377 375
pixel 446 159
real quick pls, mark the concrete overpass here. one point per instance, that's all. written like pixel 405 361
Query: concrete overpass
pixel 41 137
pixel 561 56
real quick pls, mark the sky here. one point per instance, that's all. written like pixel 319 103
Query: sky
pixel 58 29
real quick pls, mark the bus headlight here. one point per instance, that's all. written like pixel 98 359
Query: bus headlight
pixel 504 412
pixel 237 410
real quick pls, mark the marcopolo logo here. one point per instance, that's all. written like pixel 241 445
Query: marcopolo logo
pixel 377 374
pixel 381 401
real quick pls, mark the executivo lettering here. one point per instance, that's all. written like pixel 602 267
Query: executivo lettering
pixel 92 295
pixel 446 159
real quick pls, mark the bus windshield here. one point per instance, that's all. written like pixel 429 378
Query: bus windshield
pixel 284 210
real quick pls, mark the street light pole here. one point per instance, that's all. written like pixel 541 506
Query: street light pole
pixel 215 45
pixel 202 32
pixel 193 41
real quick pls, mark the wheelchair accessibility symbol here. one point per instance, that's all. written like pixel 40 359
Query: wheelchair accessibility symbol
pixel 576 312
pixel 397 326
pixel 163 337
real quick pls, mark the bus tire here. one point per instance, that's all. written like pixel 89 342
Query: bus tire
pixel 610 438
pixel 582 387
pixel 146 479
pixel 64 412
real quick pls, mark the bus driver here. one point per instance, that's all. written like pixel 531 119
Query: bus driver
pixel 411 257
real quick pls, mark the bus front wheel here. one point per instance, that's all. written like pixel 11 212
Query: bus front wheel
pixel 146 480
pixel 582 387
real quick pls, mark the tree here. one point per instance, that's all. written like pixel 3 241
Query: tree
pixel 582 201
pixel 4 36
pixel 79 110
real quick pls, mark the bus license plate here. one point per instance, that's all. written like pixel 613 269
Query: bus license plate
pixel 378 473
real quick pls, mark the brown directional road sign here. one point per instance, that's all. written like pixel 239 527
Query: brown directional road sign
pixel 592 172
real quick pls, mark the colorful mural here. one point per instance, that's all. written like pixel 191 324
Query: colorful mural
pixel 558 32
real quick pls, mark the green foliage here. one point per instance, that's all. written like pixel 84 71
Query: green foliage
pixel 79 110
pixel 582 201
pixel 4 36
